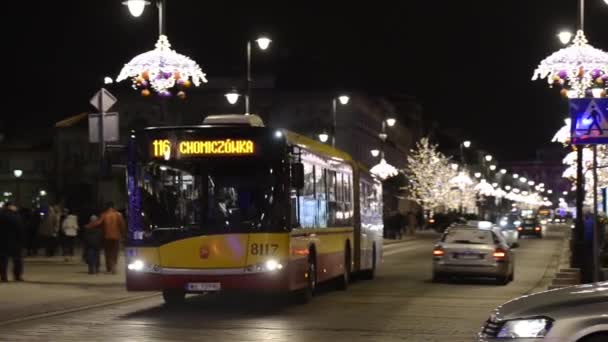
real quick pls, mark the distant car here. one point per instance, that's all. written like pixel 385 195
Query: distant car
pixel 530 226
pixel 507 227
pixel 572 314
pixel 467 250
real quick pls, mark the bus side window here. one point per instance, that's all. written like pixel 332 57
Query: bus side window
pixel 307 203
pixel 332 202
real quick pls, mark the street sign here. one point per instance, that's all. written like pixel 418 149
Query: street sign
pixel 110 127
pixel 107 100
pixel 589 121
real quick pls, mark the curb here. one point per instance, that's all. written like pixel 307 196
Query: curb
pixel 76 309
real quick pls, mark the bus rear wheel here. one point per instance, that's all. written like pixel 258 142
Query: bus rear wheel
pixel 344 280
pixel 174 297
pixel 371 273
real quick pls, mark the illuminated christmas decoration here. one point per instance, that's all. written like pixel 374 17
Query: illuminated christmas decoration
pixel 430 175
pixel 563 135
pixel 577 68
pixel 384 170
pixel 162 70
pixel 484 188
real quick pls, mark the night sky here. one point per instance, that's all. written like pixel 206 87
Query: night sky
pixel 469 63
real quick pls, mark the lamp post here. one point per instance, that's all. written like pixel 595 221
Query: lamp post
pixel 263 43
pixel 463 145
pixel 343 99
pixel 18 173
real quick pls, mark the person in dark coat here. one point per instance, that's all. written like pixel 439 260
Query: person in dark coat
pixel 11 242
pixel 93 241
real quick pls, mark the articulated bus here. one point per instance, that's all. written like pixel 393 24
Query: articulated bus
pixel 234 205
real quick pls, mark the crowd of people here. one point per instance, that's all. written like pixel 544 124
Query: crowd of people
pixel 27 232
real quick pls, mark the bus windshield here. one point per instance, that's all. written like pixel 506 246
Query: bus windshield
pixel 210 199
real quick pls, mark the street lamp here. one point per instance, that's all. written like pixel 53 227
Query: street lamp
pixel 391 122
pixel 565 193
pixel 232 96
pixel 344 99
pixel 263 43
pixel 477 174
pixel 375 152
pixel 136 7
pixel 549 191
pixel 108 80
pixel 523 179
pixel 493 167
pixel 454 166
pixel 503 171
pixel 564 37
pixel 323 137
pixel 488 158
pixel 18 173
pixel 531 183
pixel 466 144
pixel 515 175
pixel 42 192
pixel 508 187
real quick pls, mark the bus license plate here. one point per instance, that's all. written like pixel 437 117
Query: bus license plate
pixel 203 287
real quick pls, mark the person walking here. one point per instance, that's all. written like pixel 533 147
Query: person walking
pixel 113 226
pixel 49 230
pixel 69 228
pixel 11 242
pixel 93 241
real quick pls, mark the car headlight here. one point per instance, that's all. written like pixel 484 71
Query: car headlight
pixel 525 328
pixel 136 265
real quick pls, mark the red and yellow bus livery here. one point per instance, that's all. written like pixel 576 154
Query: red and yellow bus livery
pixel 235 206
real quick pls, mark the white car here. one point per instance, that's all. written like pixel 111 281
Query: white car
pixel 572 314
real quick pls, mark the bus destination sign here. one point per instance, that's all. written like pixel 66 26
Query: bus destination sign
pixel 164 148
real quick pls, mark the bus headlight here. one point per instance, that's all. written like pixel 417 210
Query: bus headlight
pixel 273 265
pixel 136 265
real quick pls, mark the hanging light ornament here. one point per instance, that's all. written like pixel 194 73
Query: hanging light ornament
pixel 384 170
pixel 577 68
pixel 162 70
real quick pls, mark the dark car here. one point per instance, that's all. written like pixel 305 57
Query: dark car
pixel 530 226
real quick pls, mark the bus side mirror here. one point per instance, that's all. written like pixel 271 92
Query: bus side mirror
pixel 297 175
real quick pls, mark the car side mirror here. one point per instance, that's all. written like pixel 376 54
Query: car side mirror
pixel 297 175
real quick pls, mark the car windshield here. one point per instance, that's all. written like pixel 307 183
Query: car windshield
pixel 209 200
pixel 472 236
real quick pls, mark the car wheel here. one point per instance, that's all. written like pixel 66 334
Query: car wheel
pixel 599 337
pixel 174 297
pixel 502 280
pixel 438 277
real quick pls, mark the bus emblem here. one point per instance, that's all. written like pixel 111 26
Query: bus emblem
pixel 204 252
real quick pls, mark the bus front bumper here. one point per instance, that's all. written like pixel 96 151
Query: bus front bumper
pixel 228 279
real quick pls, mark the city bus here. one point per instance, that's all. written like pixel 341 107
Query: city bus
pixel 232 205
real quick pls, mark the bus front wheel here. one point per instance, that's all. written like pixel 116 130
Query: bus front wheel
pixel 305 295
pixel 174 297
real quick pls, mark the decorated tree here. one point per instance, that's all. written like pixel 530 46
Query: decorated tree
pixel 429 174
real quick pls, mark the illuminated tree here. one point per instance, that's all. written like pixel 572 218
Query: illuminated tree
pixel 430 173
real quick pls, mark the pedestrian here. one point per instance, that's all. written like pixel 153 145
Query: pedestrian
pixel 69 228
pixel 11 242
pixel 412 223
pixel 93 241
pixel 49 230
pixel 113 226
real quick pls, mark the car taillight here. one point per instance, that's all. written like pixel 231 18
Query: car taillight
pixel 520 229
pixel 537 229
pixel 438 251
pixel 499 253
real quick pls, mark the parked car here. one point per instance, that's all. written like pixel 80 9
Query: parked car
pixel 467 250
pixel 572 314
